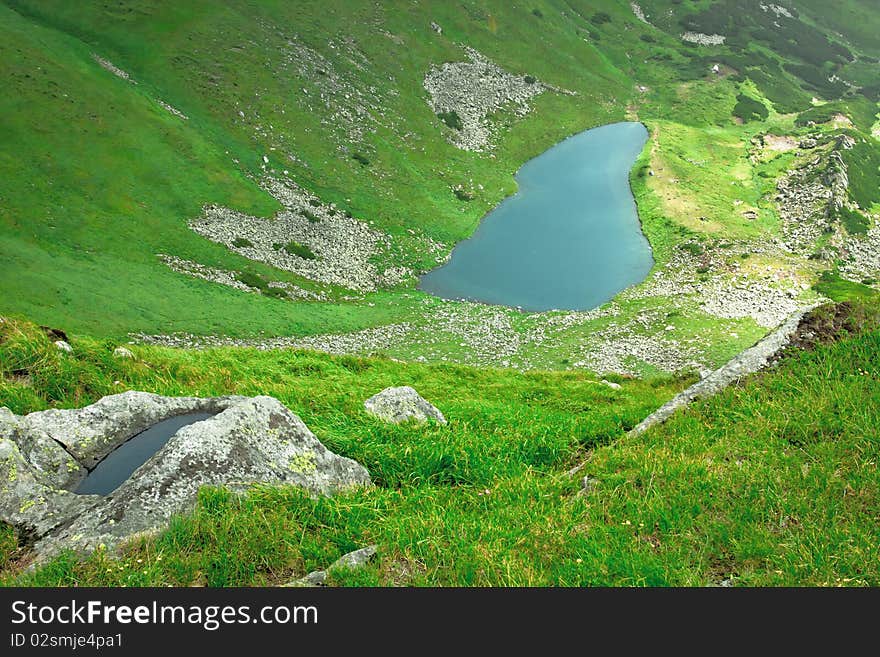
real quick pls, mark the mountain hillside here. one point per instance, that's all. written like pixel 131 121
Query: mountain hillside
pixel 147 147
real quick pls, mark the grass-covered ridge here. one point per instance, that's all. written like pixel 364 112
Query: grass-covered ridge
pixel 773 482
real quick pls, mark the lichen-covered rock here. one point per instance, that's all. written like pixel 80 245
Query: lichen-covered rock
pixel 92 432
pixel 254 440
pixel 26 502
pixel 53 466
pixel 401 404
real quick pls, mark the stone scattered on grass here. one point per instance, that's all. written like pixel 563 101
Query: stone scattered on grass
pixel 352 561
pixel 400 404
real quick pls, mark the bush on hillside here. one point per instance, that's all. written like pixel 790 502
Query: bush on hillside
pixel 749 109
pixel 451 119
pixel 299 250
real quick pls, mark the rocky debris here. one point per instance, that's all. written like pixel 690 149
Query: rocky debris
pixel 740 296
pixel 336 88
pixel 637 11
pixel 343 247
pixel 231 278
pixel 63 346
pixel 810 196
pixel 474 90
pixel 863 255
pixel 400 404
pixel 436 28
pixel 619 348
pixel 173 110
pixel 123 352
pixel 777 10
pixel 249 440
pixel 352 561
pixel 611 384
pixel 92 432
pixel 747 362
pixel 366 341
pixel 808 143
pixel 115 70
pixel 196 270
pixel 778 143
pixel 703 39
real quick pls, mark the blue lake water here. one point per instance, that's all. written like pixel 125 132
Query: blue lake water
pixel 569 239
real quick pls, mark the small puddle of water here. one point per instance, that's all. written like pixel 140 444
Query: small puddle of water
pixel 119 464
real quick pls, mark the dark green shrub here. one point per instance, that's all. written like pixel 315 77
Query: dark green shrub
pixel 299 250
pixel 451 119
pixel 531 79
pixel 693 248
pixel 600 18
pixel 241 242
pixel 647 38
pixel 361 159
pixel 275 292
pixel 863 169
pixel 749 109
pixel 538 13
pixel 252 279
pixel 855 223
pixel 310 216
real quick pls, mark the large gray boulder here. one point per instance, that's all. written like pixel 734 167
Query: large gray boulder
pixel 248 441
pixel 400 404
pixel 26 502
pixel 52 465
pixel 92 432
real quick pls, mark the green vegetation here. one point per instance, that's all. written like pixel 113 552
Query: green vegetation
pixel 772 482
pixel 81 223
pixel 863 170
pixel 855 223
pixel 452 119
pixel 749 109
pixel 257 282
pixel 831 285
pixel 299 250
pixel 241 242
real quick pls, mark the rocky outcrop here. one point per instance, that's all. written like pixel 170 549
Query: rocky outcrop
pixel 401 404
pixel 747 362
pixel 248 441
pixel 338 249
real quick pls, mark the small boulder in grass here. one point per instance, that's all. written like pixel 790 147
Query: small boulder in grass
pixel 400 404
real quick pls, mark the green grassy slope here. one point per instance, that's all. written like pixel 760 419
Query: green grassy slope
pixel 90 246
pixel 773 482
pixel 96 178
